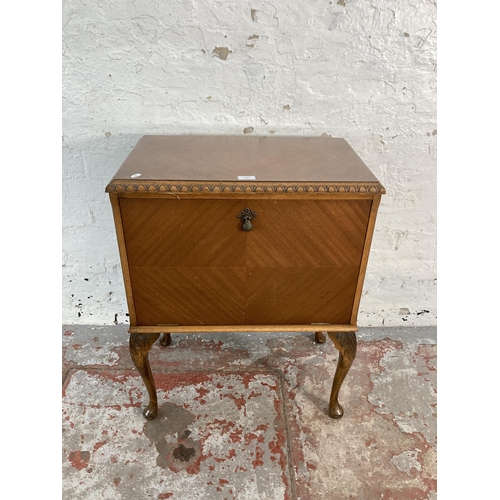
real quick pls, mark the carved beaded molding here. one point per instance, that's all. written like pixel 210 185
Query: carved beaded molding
pixel 161 187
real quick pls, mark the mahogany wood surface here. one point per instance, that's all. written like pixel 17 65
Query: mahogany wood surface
pixel 364 258
pixel 224 158
pixel 115 204
pixel 191 264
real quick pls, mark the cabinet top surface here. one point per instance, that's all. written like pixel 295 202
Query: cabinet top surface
pixel 242 159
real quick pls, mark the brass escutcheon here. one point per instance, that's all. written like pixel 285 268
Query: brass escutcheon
pixel 246 216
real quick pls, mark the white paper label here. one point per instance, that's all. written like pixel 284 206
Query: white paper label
pixel 135 175
pixel 246 177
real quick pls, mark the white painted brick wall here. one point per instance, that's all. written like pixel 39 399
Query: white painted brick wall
pixel 358 69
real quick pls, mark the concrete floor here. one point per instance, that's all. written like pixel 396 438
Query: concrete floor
pixel 244 417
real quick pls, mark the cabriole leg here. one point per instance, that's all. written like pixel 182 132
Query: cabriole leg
pixel 140 344
pixel 320 337
pixel 346 344
pixel 165 339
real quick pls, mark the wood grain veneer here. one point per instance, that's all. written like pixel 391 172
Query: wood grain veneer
pixel 299 263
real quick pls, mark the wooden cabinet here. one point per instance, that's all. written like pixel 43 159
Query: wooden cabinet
pixel 236 234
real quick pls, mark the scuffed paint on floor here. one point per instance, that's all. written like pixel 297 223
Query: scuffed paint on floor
pixel 244 416
pixel 216 436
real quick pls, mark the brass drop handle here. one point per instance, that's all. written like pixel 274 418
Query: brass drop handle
pixel 246 216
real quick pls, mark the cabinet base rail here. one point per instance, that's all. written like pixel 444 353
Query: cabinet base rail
pixel 243 328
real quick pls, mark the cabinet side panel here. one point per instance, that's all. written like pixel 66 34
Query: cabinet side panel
pixel 115 204
pixel 364 260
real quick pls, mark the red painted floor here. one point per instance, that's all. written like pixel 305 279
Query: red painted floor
pixel 244 416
